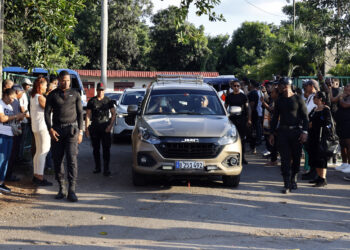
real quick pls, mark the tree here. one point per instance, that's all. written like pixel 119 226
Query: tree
pixel 169 53
pixel 128 41
pixel 328 18
pixel 45 27
pixel 249 42
pixel 290 55
pixel 218 46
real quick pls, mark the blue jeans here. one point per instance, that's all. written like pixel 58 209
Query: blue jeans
pixel 5 153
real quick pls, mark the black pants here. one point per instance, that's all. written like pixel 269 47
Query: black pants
pixel 67 144
pixel 98 137
pixel 271 148
pixel 290 149
pixel 241 125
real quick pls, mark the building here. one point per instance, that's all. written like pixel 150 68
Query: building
pixel 121 79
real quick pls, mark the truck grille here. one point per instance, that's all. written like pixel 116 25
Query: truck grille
pixel 189 150
pixel 130 120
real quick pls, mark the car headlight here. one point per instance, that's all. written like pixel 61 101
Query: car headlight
pixel 147 136
pixel 230 137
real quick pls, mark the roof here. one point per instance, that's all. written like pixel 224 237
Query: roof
pixel 141 74
pixel 197 86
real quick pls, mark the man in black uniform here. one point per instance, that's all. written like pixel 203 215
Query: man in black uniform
pixel 290 110
pixel 241 121
pixel 66 131
pixel 98 110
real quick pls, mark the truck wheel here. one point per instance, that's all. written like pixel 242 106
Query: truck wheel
pixel 138 179
pixel 231 181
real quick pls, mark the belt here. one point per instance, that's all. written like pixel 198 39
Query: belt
pixel 66 125
pixel 289 127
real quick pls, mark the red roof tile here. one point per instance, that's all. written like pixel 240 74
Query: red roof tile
pixel 141 74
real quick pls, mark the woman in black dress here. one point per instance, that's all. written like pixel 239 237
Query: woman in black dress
pixel 319 117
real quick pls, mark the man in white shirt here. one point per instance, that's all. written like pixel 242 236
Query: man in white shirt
pixel 310 89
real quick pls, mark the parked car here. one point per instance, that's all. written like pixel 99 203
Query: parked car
pixel 124 123
pixel 114 95
pixel 182 129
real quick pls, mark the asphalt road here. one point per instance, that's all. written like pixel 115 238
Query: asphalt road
pixel 113 214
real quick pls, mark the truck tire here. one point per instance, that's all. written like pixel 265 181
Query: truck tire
pixel 138 179
pixel 231 181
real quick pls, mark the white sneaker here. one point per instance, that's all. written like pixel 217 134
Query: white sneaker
pixel 347 169
pixel 342 167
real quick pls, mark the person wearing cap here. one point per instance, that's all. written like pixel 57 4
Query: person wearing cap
pixel 66 132
pixel 101 112
pixel 16 138
pixel 290 111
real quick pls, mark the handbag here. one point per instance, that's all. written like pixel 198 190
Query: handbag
pixel 329 141
pixel 16 128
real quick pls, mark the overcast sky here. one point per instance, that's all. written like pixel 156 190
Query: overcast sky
pixel 235 13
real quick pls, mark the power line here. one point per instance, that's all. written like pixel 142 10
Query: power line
pixel 262 9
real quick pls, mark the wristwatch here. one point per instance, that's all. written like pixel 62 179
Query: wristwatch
pixel 81 132
pixel 304 132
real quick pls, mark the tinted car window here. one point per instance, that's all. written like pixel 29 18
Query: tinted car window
pixel 191 102
pixel 132 98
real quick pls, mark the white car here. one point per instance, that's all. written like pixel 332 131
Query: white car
pixel 124 123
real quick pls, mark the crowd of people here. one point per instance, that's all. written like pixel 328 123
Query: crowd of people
pixel 314 119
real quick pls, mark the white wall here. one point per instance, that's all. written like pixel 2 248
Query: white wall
pixel 110 85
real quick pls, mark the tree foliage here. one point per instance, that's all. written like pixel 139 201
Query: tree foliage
pixel 249 42
pixel 44 28
pixel 128 41
pixel 168 53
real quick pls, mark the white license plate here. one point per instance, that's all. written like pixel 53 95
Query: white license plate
pixel 189 165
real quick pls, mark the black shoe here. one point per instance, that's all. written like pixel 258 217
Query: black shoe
pixel 309 176
pixel 36 181
pixel 107 173
pixel 321 183
pixel 97 171
pixel 316 180
pixel 5 188
pixel 12 178
pixel 285 190
pixel 61 195
pixel 44 183
pixel 244 161
pixel 72 197
pixel 294 186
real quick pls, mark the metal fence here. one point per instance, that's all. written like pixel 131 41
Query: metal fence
pixel 343 80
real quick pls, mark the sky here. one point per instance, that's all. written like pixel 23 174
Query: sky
pixel 235 12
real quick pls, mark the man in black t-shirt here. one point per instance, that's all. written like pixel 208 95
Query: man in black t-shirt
pixel 98 111
pixel 236 98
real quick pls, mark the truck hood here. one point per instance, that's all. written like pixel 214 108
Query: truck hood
pixel 188 125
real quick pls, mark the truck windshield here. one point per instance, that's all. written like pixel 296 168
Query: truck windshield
pixel 188 102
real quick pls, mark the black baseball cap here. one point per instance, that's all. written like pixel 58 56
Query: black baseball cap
pixel 285 81
pixel 100 86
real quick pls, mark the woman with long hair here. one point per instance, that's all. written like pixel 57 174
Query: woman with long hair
pixel 39 128
pixel 319 118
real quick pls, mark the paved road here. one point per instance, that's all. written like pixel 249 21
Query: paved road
pixel 113 214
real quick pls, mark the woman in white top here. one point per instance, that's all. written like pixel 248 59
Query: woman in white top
pixel 39 128
pixel 7 117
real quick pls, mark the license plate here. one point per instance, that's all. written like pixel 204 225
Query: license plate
pixel 189 165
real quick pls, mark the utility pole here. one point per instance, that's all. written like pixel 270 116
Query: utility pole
pixel 294 17
pixel 1 40
pixel 104 40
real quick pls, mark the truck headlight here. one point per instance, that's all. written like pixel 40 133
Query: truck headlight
pixel 230 137
pixel 147 136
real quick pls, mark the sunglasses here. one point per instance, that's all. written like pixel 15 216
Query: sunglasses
pixel 236 86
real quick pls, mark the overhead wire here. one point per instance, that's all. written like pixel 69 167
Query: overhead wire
pixel 262 9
